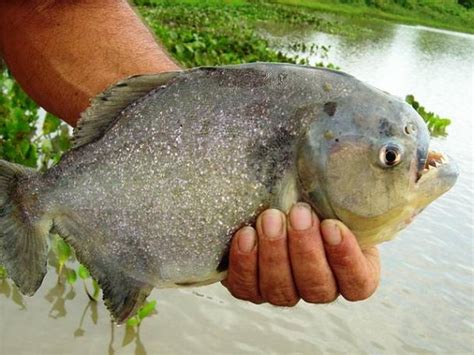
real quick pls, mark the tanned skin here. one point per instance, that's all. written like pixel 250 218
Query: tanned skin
pixel 63 53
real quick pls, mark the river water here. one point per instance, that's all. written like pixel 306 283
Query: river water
pixel 425 302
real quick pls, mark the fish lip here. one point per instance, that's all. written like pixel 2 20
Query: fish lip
pixel 440 167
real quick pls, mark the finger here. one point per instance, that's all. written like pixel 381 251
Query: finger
pixel 275 276
pixel 242 276
pixel 312 274
pixel 357 272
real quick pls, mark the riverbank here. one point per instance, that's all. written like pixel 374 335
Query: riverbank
pixel 200 33
pixel 439 14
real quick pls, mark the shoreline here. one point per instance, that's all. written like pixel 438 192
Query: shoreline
pixel 352 10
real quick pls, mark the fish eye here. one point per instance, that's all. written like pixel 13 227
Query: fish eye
pixel 390 155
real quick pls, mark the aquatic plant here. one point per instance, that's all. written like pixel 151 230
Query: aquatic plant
pixel 307 50
pixel 3 273
pixel 146 311
pixel 85 275
pixel 205 33
pixel 436 124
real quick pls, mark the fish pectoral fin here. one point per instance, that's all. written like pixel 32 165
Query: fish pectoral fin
pixel 123 295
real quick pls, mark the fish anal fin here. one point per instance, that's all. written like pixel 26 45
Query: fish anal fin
pixel 123 295
pixel 124 299
pixel 105 107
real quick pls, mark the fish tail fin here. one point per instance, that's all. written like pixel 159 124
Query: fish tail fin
pixel 123 295
pixel 23 239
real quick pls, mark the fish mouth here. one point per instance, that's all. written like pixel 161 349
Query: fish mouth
pixel 433 161
pixel 438 175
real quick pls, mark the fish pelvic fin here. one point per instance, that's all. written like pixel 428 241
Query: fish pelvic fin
pixel 123 295
pixel 23 231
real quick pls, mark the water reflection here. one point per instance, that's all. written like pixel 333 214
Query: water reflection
pixel 131 334
pixel 90 308
pixel 366 36
pixel 57 296
pixel 10 291
pixel 61 297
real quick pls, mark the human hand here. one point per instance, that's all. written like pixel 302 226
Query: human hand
pixel 294 257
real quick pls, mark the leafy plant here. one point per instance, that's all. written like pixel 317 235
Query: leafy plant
pixel 84 275
pixel 26 138
pixel 436 124
pixel 146 311
pixel 205 33
pixel 63 252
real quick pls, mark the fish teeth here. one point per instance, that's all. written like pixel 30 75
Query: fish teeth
pixel 434 160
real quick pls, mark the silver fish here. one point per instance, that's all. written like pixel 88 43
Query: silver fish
pixel 165 168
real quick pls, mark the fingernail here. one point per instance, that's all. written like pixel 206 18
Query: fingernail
pixel 300 216
pixel 246 239
pixel 272 224
pixel 331 233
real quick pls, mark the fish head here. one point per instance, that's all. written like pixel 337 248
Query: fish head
pixel 365 160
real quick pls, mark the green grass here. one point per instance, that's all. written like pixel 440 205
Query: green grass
pixel 444 14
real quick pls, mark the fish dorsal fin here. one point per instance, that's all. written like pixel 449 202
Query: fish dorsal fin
pixel 105 107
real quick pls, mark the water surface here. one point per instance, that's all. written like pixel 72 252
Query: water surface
pixel 425 302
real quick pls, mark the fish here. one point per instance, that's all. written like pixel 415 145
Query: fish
pixel 165 168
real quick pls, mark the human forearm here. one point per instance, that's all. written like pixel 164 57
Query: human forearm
pixel 63 53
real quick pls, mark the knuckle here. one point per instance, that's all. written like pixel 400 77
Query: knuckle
pixel 243 282
pixel 319 295
pixel 318 288
pixel 242 264
pixel 243 293
pixel 304 252
pixel 283 300
pixel 283 296
pixel 360 290
pixel 346 262
pixel 244 270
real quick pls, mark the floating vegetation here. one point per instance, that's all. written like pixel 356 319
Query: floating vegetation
pixel 85 275
pixel 146 311
pixel 436 124
pixel 311 50
pixel 200 33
